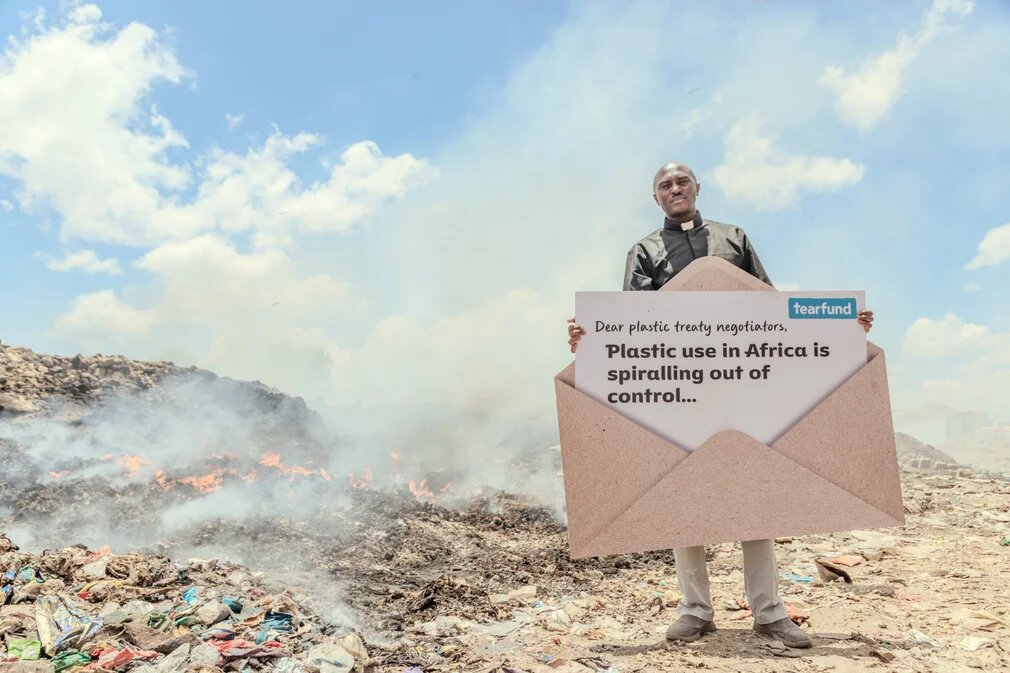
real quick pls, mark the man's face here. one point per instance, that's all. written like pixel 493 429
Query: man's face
pixel 676 190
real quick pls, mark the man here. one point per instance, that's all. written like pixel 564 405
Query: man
pixel 652 262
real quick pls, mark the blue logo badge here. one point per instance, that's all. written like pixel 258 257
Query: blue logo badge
pixel 843 308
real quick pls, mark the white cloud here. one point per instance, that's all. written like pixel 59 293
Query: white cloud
pixel 994 248
pixel 6 206
pixel 753 170
pixel 233 120
pixel 972 287
pixel 259 193
pixel 247 305
pixel 79 139
pixel 105 312
pixel 928 338
pixel 87 142
pixel 206 280
pixel 968 364
pixel 87 261
pixel 870 90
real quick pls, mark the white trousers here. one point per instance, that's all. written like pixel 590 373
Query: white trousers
pixel 761 582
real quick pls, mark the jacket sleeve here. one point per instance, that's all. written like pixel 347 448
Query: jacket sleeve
pixel 638 270
pixel 752 264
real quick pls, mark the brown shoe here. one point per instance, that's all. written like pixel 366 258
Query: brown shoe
pixel 689 628
pixel 784 629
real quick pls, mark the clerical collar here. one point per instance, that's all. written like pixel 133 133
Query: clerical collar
pixel 684 226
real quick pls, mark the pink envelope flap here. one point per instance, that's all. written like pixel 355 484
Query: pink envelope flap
pixel 732 488
pixel 608 460
pixel 714 273
pixel 848 438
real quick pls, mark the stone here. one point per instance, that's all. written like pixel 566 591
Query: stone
pixel 354 646
pixel 212 613
pixel 145 638
pixel 176 661
pixel 883 655
pixel 558 621
pixel 204 654
pixel 528 591
pixel 330 658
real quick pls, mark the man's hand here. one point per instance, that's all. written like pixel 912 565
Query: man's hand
pixel 575 333
pixel 865 319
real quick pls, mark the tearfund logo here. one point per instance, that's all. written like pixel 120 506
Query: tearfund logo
pixel 839 308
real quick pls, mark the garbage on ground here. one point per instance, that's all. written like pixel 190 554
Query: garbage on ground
pixel 24 649
pixel 921 637
pixel 793 577
pixel 829 571
pixel 155 616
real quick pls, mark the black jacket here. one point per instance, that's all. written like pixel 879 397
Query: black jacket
pixel 664 253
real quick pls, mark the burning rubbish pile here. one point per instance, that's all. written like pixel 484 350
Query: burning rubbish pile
pixel 301 560
pixel 29 382
pixel 97 611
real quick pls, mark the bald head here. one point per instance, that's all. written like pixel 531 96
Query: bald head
pixel 672 167
pixel 675 189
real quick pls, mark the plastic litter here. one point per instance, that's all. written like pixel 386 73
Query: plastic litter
pixel 238 648
pixel 793 577
pixel 190 596
pixel 24 649
pixel 275 622
pixel 62 624
pixel 234 604
pixel 67 660
pixel 110 658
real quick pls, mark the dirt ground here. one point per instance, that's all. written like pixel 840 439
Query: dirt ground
pixel 492 588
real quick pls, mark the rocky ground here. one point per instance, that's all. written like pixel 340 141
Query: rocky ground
pixel 390 580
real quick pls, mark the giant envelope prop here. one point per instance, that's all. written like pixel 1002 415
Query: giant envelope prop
pixel 629 490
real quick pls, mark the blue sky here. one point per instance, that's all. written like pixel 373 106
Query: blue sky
pixel 387 209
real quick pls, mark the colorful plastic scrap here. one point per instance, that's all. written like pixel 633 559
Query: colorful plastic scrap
pixel 70 660
pixel 275 622
pixel 234 604
pixel 218 633
pixel 239 648
pixel 111 658
pixel 24 649
pixel 62 624
pixel 190 596
pixel 793 577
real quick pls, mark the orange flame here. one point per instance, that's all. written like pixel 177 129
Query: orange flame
pixel 59 475
pixel 207 483
pixel 360 481
pixel 132 464
pixel 421 491
pixel 163 482
pixel 273 459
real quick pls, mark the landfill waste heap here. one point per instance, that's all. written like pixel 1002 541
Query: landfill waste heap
pixel 153 615
pixel 255 553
